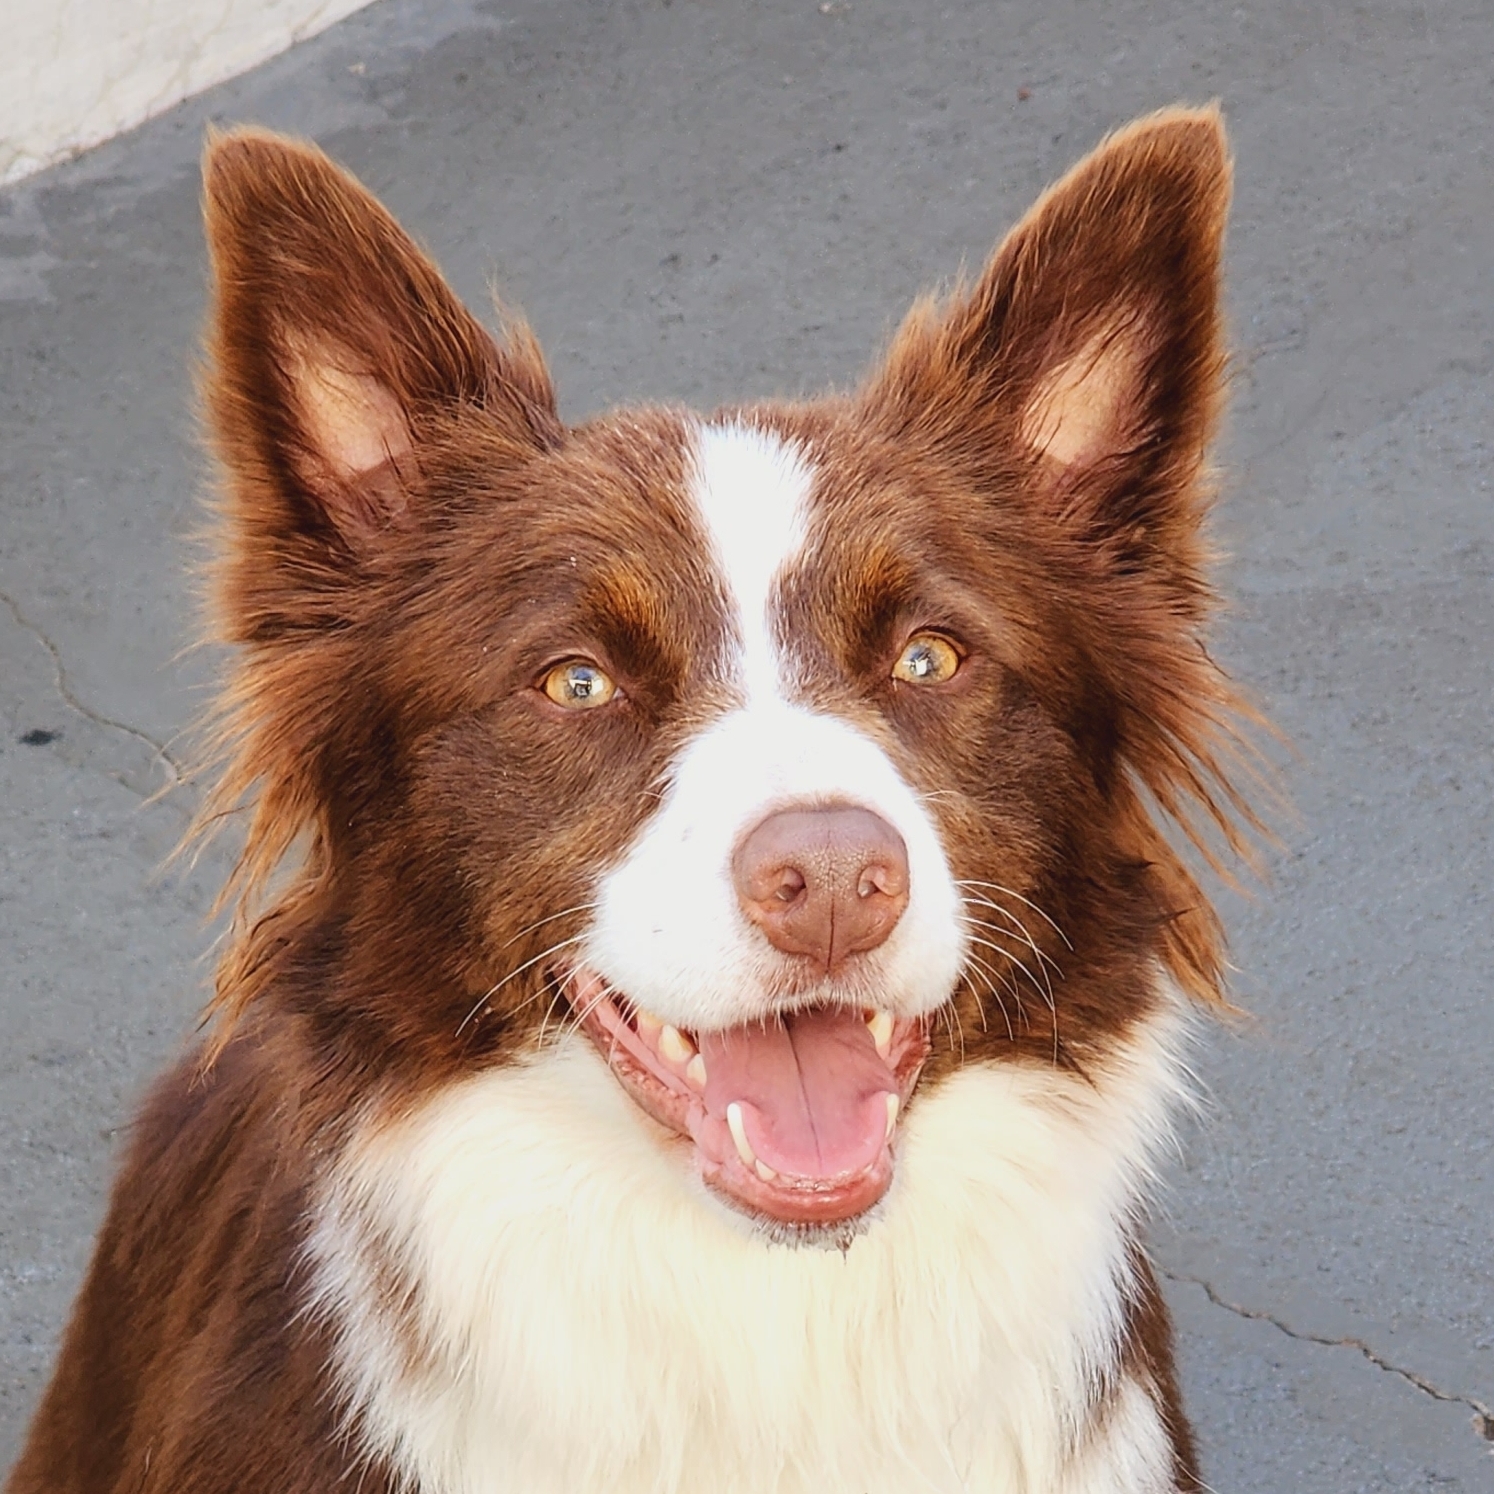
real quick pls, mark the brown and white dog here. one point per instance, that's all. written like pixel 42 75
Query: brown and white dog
pixel 721 1018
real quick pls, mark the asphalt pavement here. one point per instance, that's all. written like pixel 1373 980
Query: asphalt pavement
pixel 700 201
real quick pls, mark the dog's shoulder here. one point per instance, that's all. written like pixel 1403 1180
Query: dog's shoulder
pixel 188 1338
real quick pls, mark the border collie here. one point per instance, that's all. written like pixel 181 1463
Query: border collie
pixel 713 951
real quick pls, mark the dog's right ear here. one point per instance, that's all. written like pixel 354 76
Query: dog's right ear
pixel 336 353
pixel 343 381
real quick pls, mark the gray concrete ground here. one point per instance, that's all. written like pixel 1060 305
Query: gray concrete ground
pixel 701 200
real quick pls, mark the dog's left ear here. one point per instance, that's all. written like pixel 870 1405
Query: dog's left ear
pixel 1086 364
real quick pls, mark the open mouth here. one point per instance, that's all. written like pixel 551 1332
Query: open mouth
pixel 793 1119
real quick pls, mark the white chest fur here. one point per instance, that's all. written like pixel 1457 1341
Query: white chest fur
pixel 586 1318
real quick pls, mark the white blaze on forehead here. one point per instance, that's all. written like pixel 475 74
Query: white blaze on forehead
pixel 752 489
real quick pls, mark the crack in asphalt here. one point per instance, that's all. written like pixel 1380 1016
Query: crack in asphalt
pixel 1483 1417
pixel 65 690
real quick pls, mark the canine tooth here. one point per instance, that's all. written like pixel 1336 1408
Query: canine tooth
pixel 675 1046
pixel 695 1072
pixel 739 1134
pixel 880 1025
pixel 765 1172
pixel 647 1023
pixel 891 1115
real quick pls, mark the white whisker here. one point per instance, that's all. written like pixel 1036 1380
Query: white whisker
pixel 1023 931
pixel 1026 902
pixel 494 989
pixel 1041 987
pixel 548 918
pixel 986 971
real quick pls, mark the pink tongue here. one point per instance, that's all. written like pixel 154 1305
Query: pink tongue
pixel 813 1090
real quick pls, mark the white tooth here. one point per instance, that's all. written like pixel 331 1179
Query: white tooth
pixel 891 1115
pixel 739 1134
pixel 880 1024
pixel 765 1172
pixel 647 1023
pixel 675 1046
pixel 695 1072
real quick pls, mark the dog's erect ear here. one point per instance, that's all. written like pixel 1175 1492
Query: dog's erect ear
pixel 346 388
pixel 1087 359
pixel 335 349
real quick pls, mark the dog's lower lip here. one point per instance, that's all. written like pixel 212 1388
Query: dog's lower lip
pixel 665 1071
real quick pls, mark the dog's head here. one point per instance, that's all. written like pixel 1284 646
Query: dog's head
pixel 793 752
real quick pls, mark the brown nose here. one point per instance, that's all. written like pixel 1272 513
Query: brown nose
pixel 824 883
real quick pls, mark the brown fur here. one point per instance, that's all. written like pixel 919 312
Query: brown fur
pixel 411 538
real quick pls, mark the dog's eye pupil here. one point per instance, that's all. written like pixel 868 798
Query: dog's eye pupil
pixel 927 659
pixel 579 685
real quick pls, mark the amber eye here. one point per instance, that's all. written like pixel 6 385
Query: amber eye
pixel 927 659
pixel 579 685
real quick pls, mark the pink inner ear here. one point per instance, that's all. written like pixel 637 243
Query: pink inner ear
pixel 1082 409
pixel 351 420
